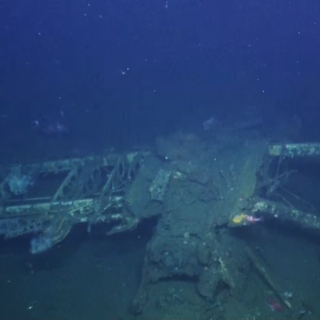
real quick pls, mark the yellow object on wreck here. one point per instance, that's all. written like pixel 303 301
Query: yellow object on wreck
pixel 239 218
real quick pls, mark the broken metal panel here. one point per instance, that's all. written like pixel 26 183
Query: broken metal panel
pixel 293 150
pixel 159 185
pixel 138 200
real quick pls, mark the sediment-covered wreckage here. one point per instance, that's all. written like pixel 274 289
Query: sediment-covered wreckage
pixel 202 193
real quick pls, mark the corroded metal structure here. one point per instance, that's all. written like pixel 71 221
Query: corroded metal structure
pixel 202 194
pixel 294 150
pixel 64 193
pixel 206 198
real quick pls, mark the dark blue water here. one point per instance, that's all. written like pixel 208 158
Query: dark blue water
pixel 123 71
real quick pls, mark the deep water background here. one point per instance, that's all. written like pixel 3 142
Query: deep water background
pixel 182 64
pixel 118 73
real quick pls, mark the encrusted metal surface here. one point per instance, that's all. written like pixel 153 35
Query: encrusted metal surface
pixel 48 198
pixel 293 150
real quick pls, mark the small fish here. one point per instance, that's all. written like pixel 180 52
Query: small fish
pixel 252 219
pixel 274 305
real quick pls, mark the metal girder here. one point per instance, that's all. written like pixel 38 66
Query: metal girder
pixel 64 193
pixel 293 150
